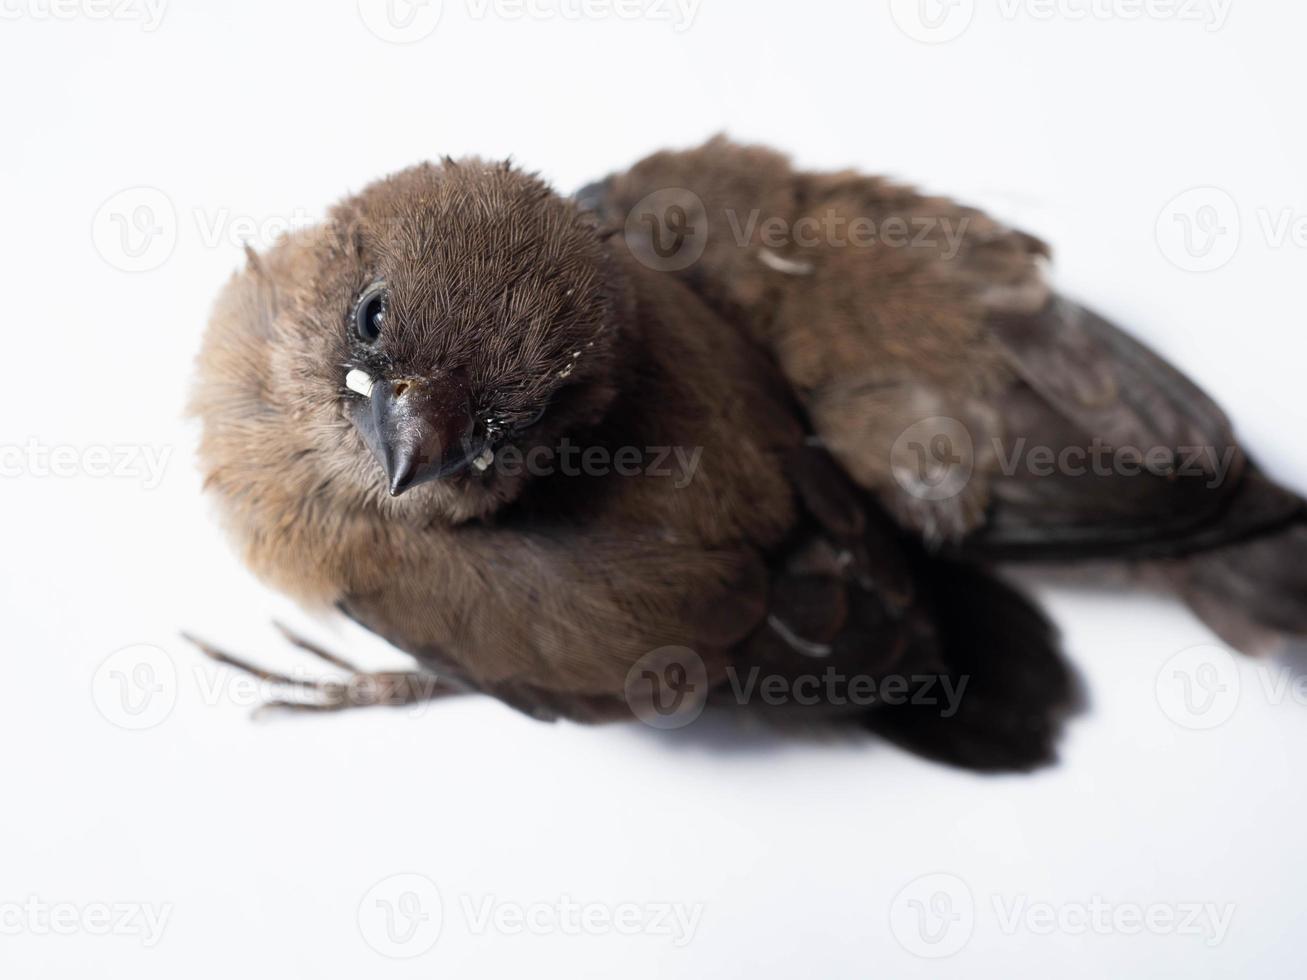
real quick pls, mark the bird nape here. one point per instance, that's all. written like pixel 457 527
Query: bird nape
pixel 715 433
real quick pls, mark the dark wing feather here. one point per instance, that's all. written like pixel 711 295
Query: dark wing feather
pixel 855 597
pixel 1104 381
pixel 1086 388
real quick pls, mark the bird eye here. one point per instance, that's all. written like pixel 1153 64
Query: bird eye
pixel 370 313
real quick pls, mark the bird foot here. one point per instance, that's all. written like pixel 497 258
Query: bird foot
pixel 361 689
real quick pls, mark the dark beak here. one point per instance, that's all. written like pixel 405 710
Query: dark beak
pixel 420 429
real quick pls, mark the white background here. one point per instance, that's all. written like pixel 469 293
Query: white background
pixel 261 841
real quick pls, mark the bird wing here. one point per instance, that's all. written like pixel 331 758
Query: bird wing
pixel 1138 458
pixel 863 627
pixel 955 321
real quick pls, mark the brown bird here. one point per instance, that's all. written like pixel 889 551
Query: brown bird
pixel 420 413
pixel 991 416
pixel 500 436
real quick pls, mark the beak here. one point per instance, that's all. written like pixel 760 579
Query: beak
pixel 420 429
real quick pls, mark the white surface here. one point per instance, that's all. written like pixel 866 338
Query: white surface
pixel 261 841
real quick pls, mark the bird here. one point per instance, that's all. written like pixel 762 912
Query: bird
pixel 494 425
pixel 463 414
pixel 934 358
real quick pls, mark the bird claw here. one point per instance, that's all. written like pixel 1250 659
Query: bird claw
pixel 361 689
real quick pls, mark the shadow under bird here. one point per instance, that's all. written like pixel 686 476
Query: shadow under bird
pixel 536 444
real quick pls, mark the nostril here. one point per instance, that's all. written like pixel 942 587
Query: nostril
pixel 400 388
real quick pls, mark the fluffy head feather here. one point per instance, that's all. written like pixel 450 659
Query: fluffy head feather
pixel 492 278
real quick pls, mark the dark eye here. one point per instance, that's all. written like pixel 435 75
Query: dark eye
pixel 370 313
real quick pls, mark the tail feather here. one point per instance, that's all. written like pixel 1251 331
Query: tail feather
pixel 1245 574
pixel 1252 594
pixel 1019 690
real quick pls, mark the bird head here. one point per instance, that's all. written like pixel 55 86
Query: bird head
pixel 436 318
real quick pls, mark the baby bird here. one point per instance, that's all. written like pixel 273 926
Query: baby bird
pixel 475 417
